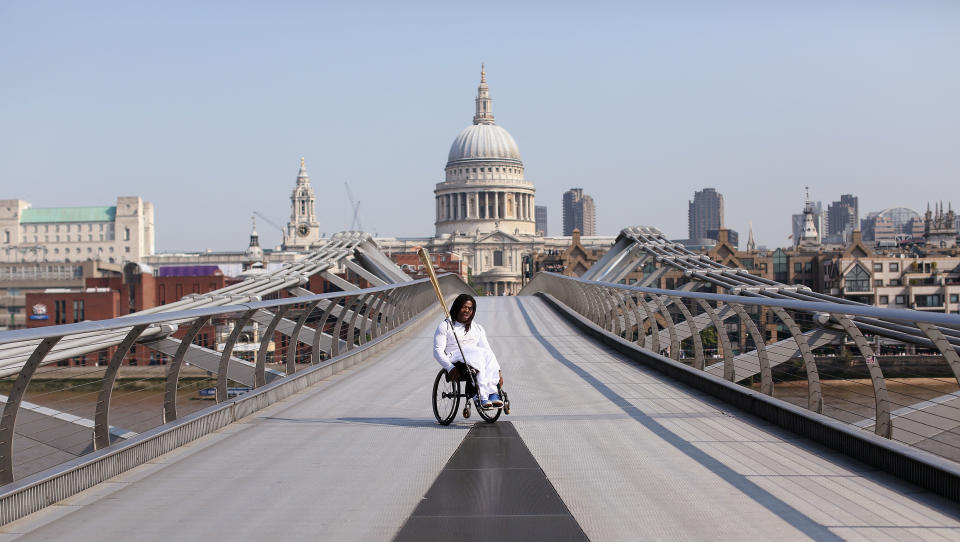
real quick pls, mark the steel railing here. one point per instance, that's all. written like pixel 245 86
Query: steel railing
pixel 831 358
pixel 313 328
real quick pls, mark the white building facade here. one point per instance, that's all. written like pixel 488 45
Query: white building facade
pixel 113 234
pixel 484 189
pixel 303 229
pixel 485 207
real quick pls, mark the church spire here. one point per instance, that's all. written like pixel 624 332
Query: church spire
pixel 751 244
pixel 254 236
pixel 302 177
pixel 484 113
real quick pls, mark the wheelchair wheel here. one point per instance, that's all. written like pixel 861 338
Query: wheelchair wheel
pixel 490 415
pixel 446 398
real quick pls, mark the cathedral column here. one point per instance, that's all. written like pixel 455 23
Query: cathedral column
pixel 496 205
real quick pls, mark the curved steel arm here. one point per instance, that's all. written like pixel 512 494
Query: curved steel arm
pixel 8 422
pixel 883 426
pixel 223 369
pixel 766 375
pixel 101 428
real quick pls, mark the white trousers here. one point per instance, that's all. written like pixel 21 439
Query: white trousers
pixel 484 361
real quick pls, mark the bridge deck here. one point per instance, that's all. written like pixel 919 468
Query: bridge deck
pixel 632 456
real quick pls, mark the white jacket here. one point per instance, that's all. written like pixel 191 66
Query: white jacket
pixel 445 349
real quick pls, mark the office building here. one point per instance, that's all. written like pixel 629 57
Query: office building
pixel 705 213
pixel 579 212
pixel 540 212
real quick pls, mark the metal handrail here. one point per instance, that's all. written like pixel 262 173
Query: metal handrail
pixel 383 306
pixel 624 310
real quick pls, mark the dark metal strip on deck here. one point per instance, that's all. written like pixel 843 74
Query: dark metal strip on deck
pixel 491 489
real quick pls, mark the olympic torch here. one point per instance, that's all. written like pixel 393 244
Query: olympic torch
pixel 425 260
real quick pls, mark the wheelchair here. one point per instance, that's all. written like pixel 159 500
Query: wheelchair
pixel 447 393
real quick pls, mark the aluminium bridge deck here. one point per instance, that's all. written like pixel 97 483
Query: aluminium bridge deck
pixel 631 456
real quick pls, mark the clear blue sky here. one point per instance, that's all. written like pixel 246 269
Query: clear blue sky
pixel 205 108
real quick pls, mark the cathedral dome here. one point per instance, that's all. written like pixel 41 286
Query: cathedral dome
pixel 483 142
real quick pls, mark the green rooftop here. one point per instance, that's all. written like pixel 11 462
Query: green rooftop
pixel 68 214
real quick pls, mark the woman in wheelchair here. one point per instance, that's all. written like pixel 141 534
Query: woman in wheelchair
pixel 476 350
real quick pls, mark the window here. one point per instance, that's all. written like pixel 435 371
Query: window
pixel 894 282
pixel 899 300
pixel 779 265
pixel 858 280
pixel 797 267
pixel 747 263
pixel 126 231
pixel 877 282
pixel 497 257
pixel 808 267
pixel 6 236
pixel 78 310
pixel 878 267
pixel 954 298
pixel 884 300
pixel 61 311
pixel 934 300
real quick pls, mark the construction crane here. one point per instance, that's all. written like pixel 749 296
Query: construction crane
pixel 283 232
pixel 355 225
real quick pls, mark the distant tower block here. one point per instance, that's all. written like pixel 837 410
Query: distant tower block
pixel 705 214
pixel 579 213
pixel 541 215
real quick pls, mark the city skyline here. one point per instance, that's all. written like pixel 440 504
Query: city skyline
pixel 206 110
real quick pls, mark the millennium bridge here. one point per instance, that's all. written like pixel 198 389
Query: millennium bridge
pixel 636 412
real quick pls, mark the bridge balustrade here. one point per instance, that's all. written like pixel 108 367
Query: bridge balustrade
pixel 66 427
pixel 895 372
